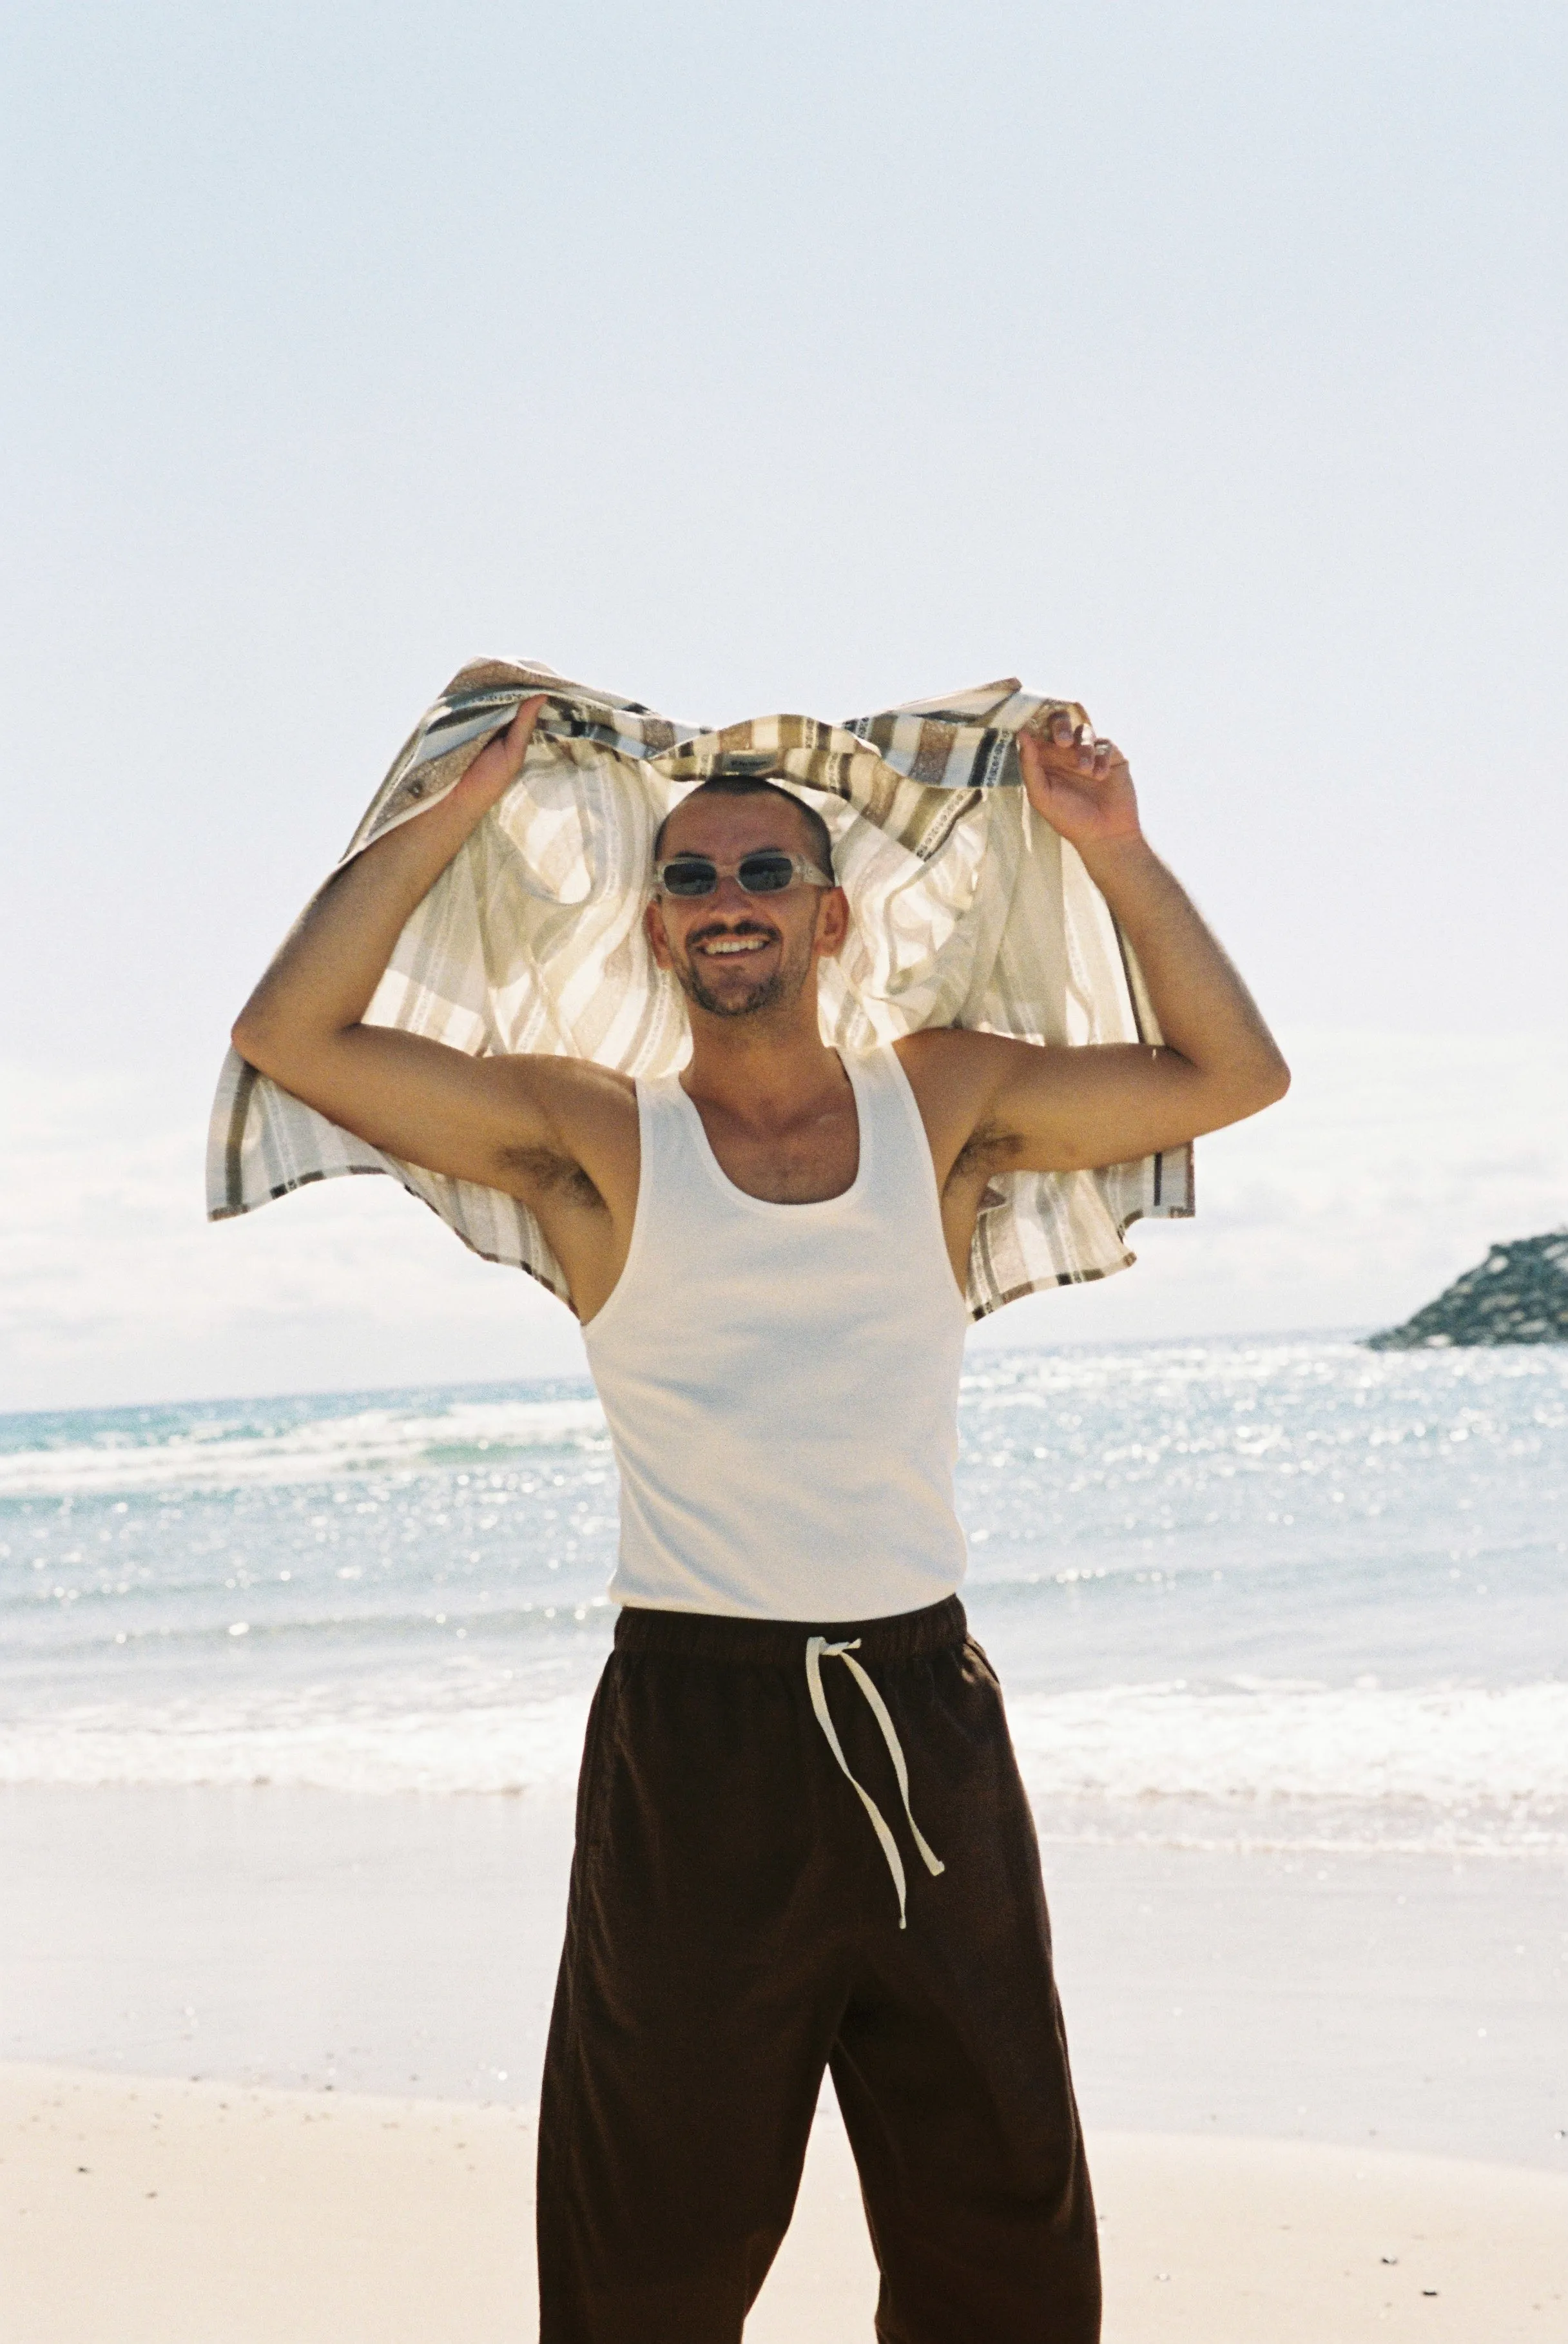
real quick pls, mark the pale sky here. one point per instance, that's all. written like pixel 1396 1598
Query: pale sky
pixel 1203 363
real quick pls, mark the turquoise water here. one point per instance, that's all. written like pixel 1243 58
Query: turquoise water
pixel 1239 1591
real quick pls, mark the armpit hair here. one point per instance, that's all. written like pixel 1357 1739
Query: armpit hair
pixel 553 1175
pixel 991 1149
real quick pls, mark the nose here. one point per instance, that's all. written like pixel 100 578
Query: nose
pixel 729 896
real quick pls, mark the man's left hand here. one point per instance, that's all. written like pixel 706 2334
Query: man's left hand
pixel 1081 785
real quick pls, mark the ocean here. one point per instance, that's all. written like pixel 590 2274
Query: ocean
pixel 1252 1594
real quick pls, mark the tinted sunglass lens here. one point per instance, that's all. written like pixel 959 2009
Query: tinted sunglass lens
pixel 766 874
pixel 693 876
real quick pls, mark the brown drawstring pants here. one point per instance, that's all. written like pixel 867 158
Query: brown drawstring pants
pixel 733 1929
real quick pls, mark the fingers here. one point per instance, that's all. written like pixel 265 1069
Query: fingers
pixel 1089 754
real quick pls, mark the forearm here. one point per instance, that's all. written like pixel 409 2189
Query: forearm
pixel 320 984
pixel 1206 1013
pixel 322 981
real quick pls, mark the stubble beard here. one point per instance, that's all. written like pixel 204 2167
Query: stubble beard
pixel 777 991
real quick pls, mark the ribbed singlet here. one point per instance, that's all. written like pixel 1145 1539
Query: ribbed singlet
pixel 781 1381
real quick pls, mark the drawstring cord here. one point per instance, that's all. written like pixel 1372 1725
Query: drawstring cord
pixel 817 1649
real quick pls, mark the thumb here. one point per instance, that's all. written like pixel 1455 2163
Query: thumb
pixel 1032 764
pixel 520 731
pixel 500 762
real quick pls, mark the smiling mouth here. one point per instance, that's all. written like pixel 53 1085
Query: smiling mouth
pixel 731 947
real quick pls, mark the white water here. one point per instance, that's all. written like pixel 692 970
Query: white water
pixel 1239 1593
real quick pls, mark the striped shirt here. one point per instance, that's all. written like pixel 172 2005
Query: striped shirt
pixel 968 910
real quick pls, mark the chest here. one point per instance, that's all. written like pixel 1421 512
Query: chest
pixel 803 1164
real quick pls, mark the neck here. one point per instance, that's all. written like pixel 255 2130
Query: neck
pixel 766 1070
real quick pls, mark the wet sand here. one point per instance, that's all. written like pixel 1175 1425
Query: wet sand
pixel 407 1944
pixel 274 2057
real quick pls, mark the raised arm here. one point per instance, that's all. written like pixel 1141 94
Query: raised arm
pixel 473 1118
pixel 1056 1110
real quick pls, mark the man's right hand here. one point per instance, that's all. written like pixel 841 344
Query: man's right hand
pixel 499 762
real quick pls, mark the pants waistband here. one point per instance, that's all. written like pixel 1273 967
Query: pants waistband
pixel 763 1644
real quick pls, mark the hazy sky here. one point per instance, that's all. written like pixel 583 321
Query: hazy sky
pixel 1202 362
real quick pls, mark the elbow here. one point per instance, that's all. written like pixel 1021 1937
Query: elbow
pixel 1259 1086
pixel 258 1042
pixel 285 1048
pixel 1274 1081
pixel 1246 1090
pixel 248 1035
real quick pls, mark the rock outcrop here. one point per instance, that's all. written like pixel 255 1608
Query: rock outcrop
pixel 1518 1294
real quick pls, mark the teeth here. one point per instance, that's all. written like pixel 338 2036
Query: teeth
pixel 735 944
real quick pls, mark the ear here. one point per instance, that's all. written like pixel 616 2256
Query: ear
pixel 831 924
pixel 653 929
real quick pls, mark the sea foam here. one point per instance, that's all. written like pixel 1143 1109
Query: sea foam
pixel 1252 1594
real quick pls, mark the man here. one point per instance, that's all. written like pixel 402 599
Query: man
pixel 802 1838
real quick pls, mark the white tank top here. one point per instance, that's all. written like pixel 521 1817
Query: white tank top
pixel 781 1381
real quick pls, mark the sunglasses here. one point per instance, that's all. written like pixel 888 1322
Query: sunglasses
pixel 767 873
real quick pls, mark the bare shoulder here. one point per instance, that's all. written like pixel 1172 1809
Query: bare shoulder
pixel 573 1086
pixel 953 1070
pixel 955 1075
pixel 950 1052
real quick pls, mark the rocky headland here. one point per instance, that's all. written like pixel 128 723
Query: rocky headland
pixel 1518 1294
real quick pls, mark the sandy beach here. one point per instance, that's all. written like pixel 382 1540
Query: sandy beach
pixel 169 2213
pixel 273 2058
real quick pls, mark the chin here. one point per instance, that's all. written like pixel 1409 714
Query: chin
pixel 733 994
pixel 766 996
